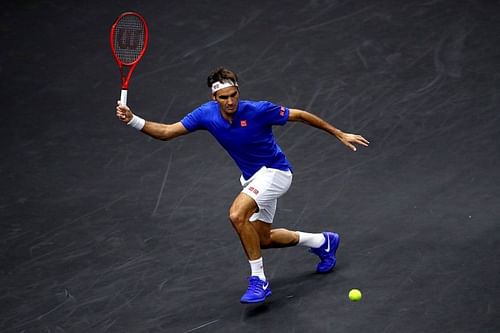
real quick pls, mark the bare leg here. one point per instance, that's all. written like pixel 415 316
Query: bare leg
pixel 239 214
pixel 257 235
pixel 275 238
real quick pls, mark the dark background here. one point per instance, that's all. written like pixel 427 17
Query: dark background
pixel 106 230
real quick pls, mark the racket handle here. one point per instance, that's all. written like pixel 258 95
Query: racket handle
pixel 123 97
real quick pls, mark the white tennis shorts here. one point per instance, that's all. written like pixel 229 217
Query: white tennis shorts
pixel 265 187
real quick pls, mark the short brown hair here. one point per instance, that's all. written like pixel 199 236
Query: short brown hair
pixel 221 74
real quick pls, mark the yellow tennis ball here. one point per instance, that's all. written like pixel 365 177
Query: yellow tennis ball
pixel 355 295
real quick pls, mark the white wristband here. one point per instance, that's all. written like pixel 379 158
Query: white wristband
pixel 136 122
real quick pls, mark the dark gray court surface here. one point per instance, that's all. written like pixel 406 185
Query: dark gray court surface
pixel 106 230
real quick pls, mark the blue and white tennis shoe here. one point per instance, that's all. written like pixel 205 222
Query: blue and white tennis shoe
pixel 257 291
pixel 326 252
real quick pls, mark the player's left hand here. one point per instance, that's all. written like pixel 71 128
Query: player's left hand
pixel 349 140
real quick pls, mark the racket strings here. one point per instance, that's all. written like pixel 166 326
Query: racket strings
pixel 129 36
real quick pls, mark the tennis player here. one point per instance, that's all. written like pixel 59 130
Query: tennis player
pixel 244 129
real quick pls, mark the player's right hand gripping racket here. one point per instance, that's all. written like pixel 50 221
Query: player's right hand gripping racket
pixel 128 39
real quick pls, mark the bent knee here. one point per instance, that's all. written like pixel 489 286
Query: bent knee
pixel 237 219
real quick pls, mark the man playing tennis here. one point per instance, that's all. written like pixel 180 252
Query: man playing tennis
pixel 244 129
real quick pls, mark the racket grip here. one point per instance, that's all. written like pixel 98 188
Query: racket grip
pixel 123 97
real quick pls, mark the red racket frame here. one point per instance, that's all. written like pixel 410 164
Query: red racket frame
pixel 125 79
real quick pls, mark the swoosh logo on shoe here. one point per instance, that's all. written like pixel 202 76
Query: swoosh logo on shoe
pixel 328 241
pixel 265 286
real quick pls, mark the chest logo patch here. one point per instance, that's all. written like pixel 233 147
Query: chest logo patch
pixel 243 123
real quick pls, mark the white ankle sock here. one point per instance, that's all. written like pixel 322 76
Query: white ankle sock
pixel 257 268
pixel 311 240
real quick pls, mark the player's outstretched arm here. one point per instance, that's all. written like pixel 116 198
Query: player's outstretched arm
pixel 156 130
pixel 347 139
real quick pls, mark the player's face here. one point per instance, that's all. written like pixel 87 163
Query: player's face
pixel 228 99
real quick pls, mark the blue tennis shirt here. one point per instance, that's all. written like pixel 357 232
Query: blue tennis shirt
pixel 249 139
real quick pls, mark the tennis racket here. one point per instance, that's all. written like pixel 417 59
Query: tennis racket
pixel 128 39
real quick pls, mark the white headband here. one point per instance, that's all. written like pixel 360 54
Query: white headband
pixel 216 86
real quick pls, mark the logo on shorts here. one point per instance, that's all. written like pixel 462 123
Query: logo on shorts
pixel 243 123
pixel 253 189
